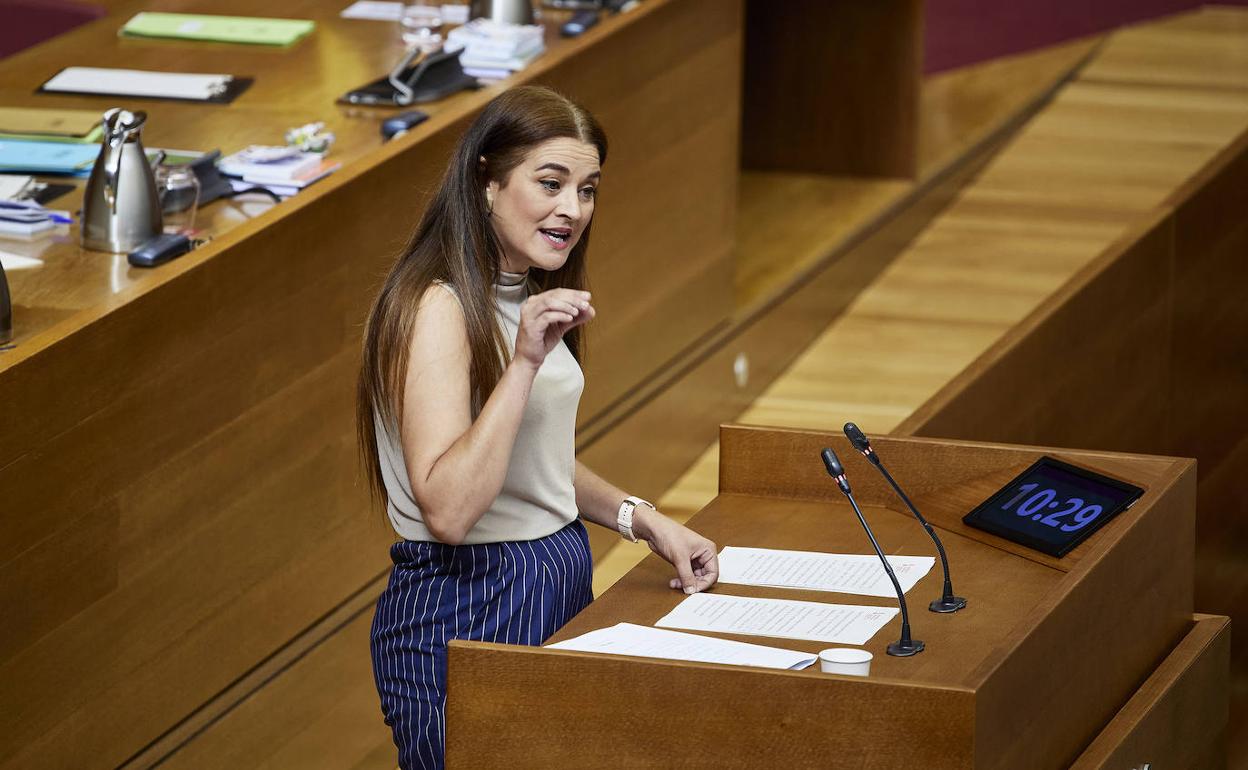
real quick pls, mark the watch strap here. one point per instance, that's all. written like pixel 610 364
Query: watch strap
pixel 624 518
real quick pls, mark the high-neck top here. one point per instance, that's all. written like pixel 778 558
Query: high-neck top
pixel 537 497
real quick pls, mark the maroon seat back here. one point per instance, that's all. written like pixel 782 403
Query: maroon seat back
pixel 27 22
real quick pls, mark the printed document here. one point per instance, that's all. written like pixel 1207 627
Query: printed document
pixel 842 573
pixel 646 642
pixel 169 85
pixel 782 618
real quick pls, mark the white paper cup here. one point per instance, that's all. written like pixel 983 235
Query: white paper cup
pixel 845 660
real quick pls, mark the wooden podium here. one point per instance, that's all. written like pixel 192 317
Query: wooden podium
pixel 1052 657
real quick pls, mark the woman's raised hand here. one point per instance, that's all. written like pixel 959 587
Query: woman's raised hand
pixel 545 318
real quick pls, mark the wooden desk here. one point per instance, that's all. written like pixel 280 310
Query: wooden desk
pixel 1044 656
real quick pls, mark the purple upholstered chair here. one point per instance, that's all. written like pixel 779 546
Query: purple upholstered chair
pixel 27 22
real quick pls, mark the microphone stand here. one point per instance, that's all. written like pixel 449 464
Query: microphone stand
pixel 905 646
pixel 947 601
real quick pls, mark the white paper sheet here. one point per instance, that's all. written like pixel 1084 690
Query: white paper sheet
pixel 782 618
pixel 371 10
pixel 843 573
pixel 12 185
pixel 172 85
pixel 12 262
pixel 646 642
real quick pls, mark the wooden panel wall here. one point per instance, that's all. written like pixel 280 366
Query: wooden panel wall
pixel 833 86
pixel 1178 716
pixel 1146 350
pixel 179 476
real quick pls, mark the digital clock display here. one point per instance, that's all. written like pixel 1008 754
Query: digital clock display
pixel 1053 506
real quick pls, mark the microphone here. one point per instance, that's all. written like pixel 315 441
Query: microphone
pixel 947 602
pixel 905 646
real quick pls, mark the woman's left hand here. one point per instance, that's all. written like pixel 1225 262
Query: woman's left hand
pixel 695 558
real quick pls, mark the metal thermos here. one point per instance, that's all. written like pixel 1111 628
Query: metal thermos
pixel 505 11
pixel 121 207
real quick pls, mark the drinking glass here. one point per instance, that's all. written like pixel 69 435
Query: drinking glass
pixel 178 188
pixel 421 27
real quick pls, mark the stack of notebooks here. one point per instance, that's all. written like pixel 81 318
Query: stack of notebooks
pixel 27 220
pixel 282 173
pixel 493 50
pixel 34 141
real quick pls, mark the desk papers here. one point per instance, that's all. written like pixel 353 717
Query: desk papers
pixel 374 10
pixel 842 573
pixel 782 618
pixel 645 642
pixel 11 262
pixel 120 82
pixel 224 29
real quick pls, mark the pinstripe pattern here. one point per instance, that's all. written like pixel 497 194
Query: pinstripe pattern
pixel 512 592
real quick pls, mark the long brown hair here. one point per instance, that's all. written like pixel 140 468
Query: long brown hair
pixel 456 244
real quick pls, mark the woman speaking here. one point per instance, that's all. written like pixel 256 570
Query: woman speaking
pixel 467 409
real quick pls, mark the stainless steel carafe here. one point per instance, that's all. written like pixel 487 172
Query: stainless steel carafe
pixel 504 11
pixel 121 208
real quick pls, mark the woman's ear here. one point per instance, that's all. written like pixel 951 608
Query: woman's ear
pixel 491 189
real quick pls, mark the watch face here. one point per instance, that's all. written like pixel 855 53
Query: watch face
pixel 1053 506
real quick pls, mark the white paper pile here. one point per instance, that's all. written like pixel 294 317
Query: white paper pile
pixel 643 642
pixel 494 50
pixel 779 618
pixel 812 571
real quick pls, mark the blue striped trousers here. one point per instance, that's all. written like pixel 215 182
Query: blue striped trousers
pixel 512 592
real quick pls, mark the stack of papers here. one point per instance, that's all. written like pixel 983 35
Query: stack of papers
pixel 644 642
pixel 283 173
pixel 495 50
pixel 842 573
pixel 224 29
pixel 26 219
pixel 47 157
pixel 778 618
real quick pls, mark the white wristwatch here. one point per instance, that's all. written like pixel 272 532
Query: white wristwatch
pixel 624 519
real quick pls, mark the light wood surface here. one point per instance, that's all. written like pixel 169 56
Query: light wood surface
pixel 999 652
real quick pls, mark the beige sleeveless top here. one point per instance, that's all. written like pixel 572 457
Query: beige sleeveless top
pixel 538 497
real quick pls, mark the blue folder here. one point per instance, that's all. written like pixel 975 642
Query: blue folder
pixel 47 157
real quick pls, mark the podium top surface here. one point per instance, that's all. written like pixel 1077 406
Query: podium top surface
pixel 1043 656
pixel 776 494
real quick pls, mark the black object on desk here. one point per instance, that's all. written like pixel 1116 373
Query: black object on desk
pixel 1053 506
pixel 436 76
pixel 160 250
pixel 402 123
pixel 579 23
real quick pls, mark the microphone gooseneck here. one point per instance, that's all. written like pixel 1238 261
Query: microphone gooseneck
pixel 947 602
pixel 905 646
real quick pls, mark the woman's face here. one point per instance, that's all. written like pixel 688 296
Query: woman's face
pixel 544 205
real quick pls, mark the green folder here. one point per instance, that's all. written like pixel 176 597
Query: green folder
pixel 225 29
